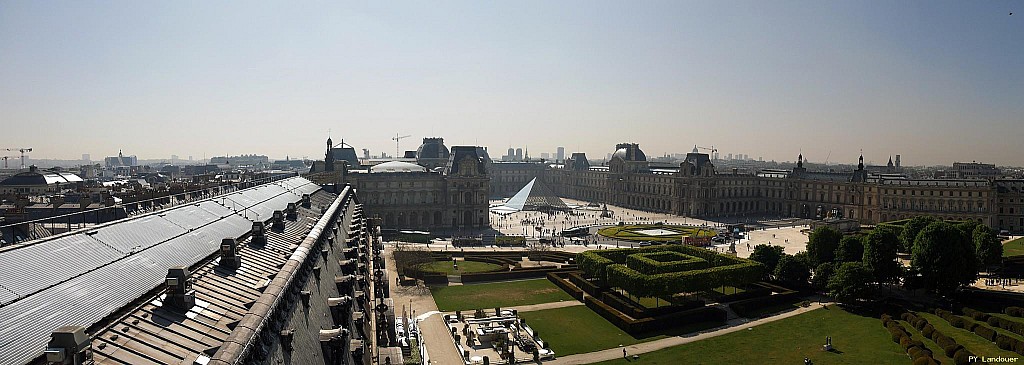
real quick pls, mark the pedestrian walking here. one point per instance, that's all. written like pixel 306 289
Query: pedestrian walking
pixel 624 353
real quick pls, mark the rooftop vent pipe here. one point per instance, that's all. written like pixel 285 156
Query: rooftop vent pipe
pixel 278 220
pixel 69 345
pixel 292 213
pixel 259 233
pixel 229 257
pixel 180 294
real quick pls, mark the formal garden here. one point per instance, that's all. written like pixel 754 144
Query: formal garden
pixel 634 295
pixel 654 232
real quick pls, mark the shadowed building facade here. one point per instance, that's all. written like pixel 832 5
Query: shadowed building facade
pixel 410 196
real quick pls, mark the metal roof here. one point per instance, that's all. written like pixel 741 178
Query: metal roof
pixel 84 276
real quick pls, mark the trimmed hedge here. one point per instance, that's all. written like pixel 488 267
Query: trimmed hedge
pixel 598 264
pixel 755 290
pixel 683 281
pixel 510 275
pixel 651 263
pixel 642 325
pixel 584 284
pixel 510 241
pixel 435 279
pixel 559 280
pixel 553 256
pixel 747 307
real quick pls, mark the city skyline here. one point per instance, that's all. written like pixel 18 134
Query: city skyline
pixel 936 82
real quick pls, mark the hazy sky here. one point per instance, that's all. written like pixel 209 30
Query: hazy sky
pixel 935 81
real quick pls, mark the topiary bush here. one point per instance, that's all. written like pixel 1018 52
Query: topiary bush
pixel 1014 311
pixel 928 330
pixel 963 357
pixel 943 341
pixel 1004 342
pixel 986 333
pixel 925 361
pixel 976 315
pixel 952 350
pixel 993 321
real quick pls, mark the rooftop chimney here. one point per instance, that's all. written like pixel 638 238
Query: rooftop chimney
pixel 292 214
pixel 278 220
pixel 229 257
pixel 258 233
pixel 180 294
pixel 69 345
pixel 305 201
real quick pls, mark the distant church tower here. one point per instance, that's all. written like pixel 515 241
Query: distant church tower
pixel 329 156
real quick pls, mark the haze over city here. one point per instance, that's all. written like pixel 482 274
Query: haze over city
pixel 934 81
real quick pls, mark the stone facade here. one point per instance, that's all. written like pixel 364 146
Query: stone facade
pixel 695 188
pixel 409 196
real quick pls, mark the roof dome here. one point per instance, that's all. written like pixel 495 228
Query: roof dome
pixel 397 166
pixel 40 178
pixel 629 152
pixel 432 148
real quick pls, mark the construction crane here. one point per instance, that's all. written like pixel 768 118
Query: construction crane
pixel 5 160
pixel 398 138
pixel 22 150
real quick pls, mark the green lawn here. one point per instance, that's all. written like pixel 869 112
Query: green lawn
pixel 490 295
pixel 966 338
pixel 857 340
pixel 1014 248
pixel 575 330
pixel 465 267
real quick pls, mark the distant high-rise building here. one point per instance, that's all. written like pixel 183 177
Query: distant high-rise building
pixel 728 157
pixel 519 154
pixel 174 158
pixel 897 161
pixel 85 157
pixel 716 155
pixel 545 155
pixel 974 170
pixel 190 157
pixel 560 153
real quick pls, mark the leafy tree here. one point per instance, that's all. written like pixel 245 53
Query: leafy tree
pixel 945 257
pixel 821 245
pixel 791 268
pixel 987 245
pixel 768 256
pixel 822 274
pixel 880 254
pixel 802 256
pixel 911 229
pixel 851 249
pixel 850 282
